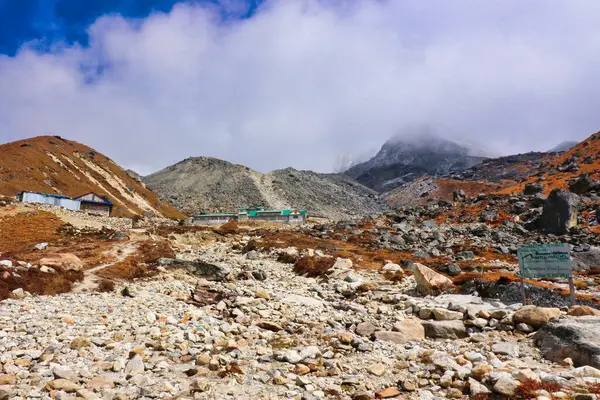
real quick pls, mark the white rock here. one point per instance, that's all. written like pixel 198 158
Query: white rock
pixel 342 263
pixel 302 301
pixel 391 267
pixel 118 365
pixel 150 317
pixel 477 388
pixel 135 365
pixel 442 314
pixel 474 357
pixel 527 374
pixel 506 348
pixel 18 294
pixel 292 356
pixel 586 372
pixel 480 322
pixel 310 352
pixel 63 372
pixel 506 386
pixel 47 270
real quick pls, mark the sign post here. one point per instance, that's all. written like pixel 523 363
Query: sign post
pixel 546 261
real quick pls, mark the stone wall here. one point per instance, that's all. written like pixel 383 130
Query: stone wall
pixel 153 222
pixel 118 224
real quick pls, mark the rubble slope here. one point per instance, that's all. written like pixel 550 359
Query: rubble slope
pixel 209 184
pixel 506 176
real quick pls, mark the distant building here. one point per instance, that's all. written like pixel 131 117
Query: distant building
pixel 95 203
pixel 90 202
pixel 51 199
pixel 274 215
pixel 214 218
pixel 251 214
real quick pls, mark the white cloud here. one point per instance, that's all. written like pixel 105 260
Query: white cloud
pixel 302 82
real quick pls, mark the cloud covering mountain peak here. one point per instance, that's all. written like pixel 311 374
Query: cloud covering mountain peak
pixel 301 81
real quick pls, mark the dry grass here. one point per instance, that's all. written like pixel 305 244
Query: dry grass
pixel 25 165
pixel 141 264
pixel 287 258
pixel 506 278
pixel 446 188
pixel 106 286
pixel 230 228
pixel 529 387
pixel 594 388
pixel 40 283
pixel 313 266
pixel 22 231
pixel 128 270
pixel 252 245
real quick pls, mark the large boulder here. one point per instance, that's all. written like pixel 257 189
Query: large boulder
pixel 535 316
pixel 412 329
pixel 443 314
pixel 583 311
pixel 65 261
pixel 394 337
pixel 459 195
pixel 584 261
pixel 429 281
pixel 584 184
pixel 533 188
pixel 575 338
pixel 445 329
pixel 559 213
pixel 209 271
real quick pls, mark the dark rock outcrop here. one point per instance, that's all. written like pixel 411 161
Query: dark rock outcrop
pixel 584 184
pixel 208 271
pixel 533 188
pixel 445 329
pixel 559 213
pixel 575 338
pixel 586 260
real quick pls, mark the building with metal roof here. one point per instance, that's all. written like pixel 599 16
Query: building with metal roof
pixel 89 202
pixel 252 214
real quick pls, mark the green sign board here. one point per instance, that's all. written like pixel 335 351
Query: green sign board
pixel 545 261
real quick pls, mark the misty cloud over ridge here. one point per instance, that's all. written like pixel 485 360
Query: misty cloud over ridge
pixel 302 82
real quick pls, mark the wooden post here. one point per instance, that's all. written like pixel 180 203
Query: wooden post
pixel 571 292
pixel 523 291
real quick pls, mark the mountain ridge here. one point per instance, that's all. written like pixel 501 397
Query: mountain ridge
pixel 51 164
pixel 210 184
pixel 404 159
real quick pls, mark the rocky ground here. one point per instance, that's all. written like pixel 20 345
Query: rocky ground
pixel 222 323
pixel 422 302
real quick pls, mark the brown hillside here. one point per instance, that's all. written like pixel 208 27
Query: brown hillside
pixel 586 155
pixel 507 176
pixel 50 164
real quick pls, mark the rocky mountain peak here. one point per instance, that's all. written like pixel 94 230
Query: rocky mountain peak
pixel 405 158
pixel 205 183
pixel 564 146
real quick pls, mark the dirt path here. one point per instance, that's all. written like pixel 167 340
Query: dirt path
pixel 265 185
pixel 120 252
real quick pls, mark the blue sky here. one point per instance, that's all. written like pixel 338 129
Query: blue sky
pixel 22 21
pixel 301 83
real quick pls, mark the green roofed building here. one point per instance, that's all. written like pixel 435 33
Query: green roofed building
pixel 252 214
